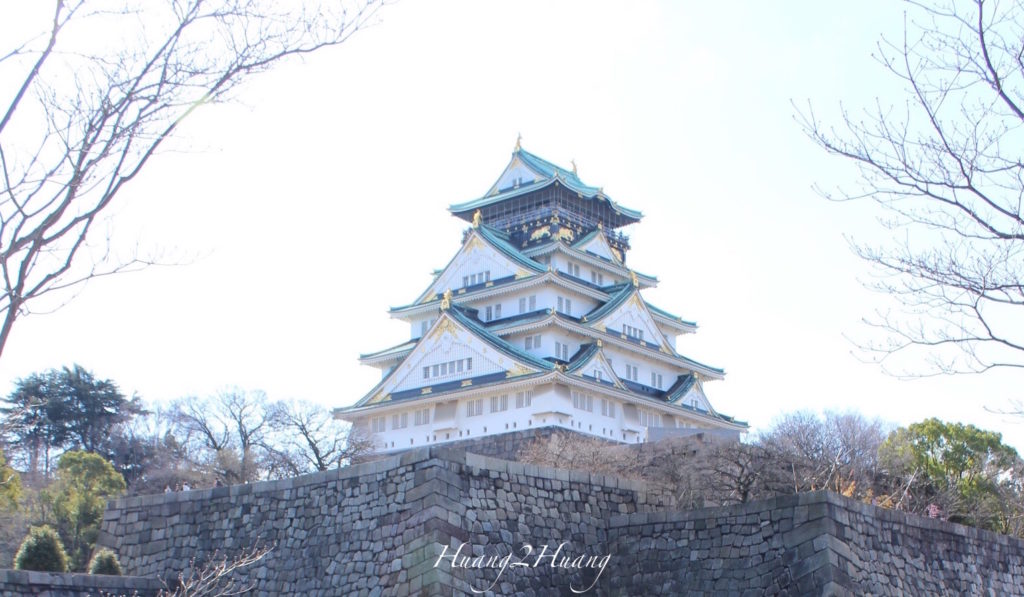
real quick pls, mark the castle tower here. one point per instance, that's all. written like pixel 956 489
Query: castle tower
pixel 536 322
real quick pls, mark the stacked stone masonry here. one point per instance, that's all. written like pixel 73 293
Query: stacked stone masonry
pixel 52 584
pixel 379 528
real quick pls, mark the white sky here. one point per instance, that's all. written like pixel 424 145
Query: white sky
pixel 319 199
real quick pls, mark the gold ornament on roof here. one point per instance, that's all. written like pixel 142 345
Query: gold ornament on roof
pixel 564 234
pixel 446 300
pixel 573 162
pixel 477 217
pixel 636 281
pixel 519 141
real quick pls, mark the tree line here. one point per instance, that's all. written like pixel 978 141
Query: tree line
pixel 72 440
pixel 952 471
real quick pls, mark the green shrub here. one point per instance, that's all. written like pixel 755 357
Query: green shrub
pixel 41 551
pixel 105 562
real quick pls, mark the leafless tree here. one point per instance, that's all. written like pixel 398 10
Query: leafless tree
pixel 219 577
pixel 309 438
pixel 837 452
pixel 946 165
pixel 576 451
pixel 226 434
pixel 98 89
pixel 800 452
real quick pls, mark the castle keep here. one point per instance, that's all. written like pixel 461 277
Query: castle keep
pixel 537 321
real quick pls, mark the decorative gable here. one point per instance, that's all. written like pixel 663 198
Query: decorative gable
pixel 515 175
pixel 632 320
pixel 478 262
pixel 597 244
pixel 695 399
pixel 451 355
pixel 593 365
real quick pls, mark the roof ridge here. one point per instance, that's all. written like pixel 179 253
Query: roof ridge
pixel 458 313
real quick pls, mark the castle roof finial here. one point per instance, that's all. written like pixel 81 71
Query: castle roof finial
pixel 573 162
pixel 446 300
pixel 519 141
pixel 477 217
pixel 636 281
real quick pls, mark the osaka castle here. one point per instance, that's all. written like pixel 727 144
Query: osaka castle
pixel 538 321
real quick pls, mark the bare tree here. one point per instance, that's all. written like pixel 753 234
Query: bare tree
pixel 83 119
pixel 947 168
pixel 226 434
pixel 219 577
pixel 309 438
pixel 575 451
pixel 838 452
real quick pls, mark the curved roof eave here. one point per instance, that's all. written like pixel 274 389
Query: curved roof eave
pixel 553 174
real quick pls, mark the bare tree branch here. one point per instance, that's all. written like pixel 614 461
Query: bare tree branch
pixel 947 169
pixel 84 121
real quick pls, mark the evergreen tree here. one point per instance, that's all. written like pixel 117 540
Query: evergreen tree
pixel 41 551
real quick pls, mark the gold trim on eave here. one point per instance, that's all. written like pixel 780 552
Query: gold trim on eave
pixel 517 371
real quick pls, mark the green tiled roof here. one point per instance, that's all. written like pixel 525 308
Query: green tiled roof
pixel 499 240
pixel 618 296
pixel 458 314
pixel 398 348
pixel 668 315
pixel 583 357
pixel 681 387
pixel 551 173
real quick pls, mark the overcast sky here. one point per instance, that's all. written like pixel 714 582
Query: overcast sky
pixel 302 211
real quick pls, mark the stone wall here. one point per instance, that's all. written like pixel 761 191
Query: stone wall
pixel 507 446
pixel 374 525
pixel 51 584
pixel 380 528
pixel 813 543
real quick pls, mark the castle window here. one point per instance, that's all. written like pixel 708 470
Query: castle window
pixel 573 269
pixel 532 342
pixel 475 408
pixel 497 311
pixel 655 380
pixel 564 306
pixel 596 278
pixel 562 351
pixel 421 416
pixel 377 424
pixel 523 399
pixel 499 403
pixel 633 332
pixel 631 372
pixel 527 303
pixel 449 368
pixel 582 401
pixel 400 421
pixel 649 419
pixel 597 374
pixel 489 313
